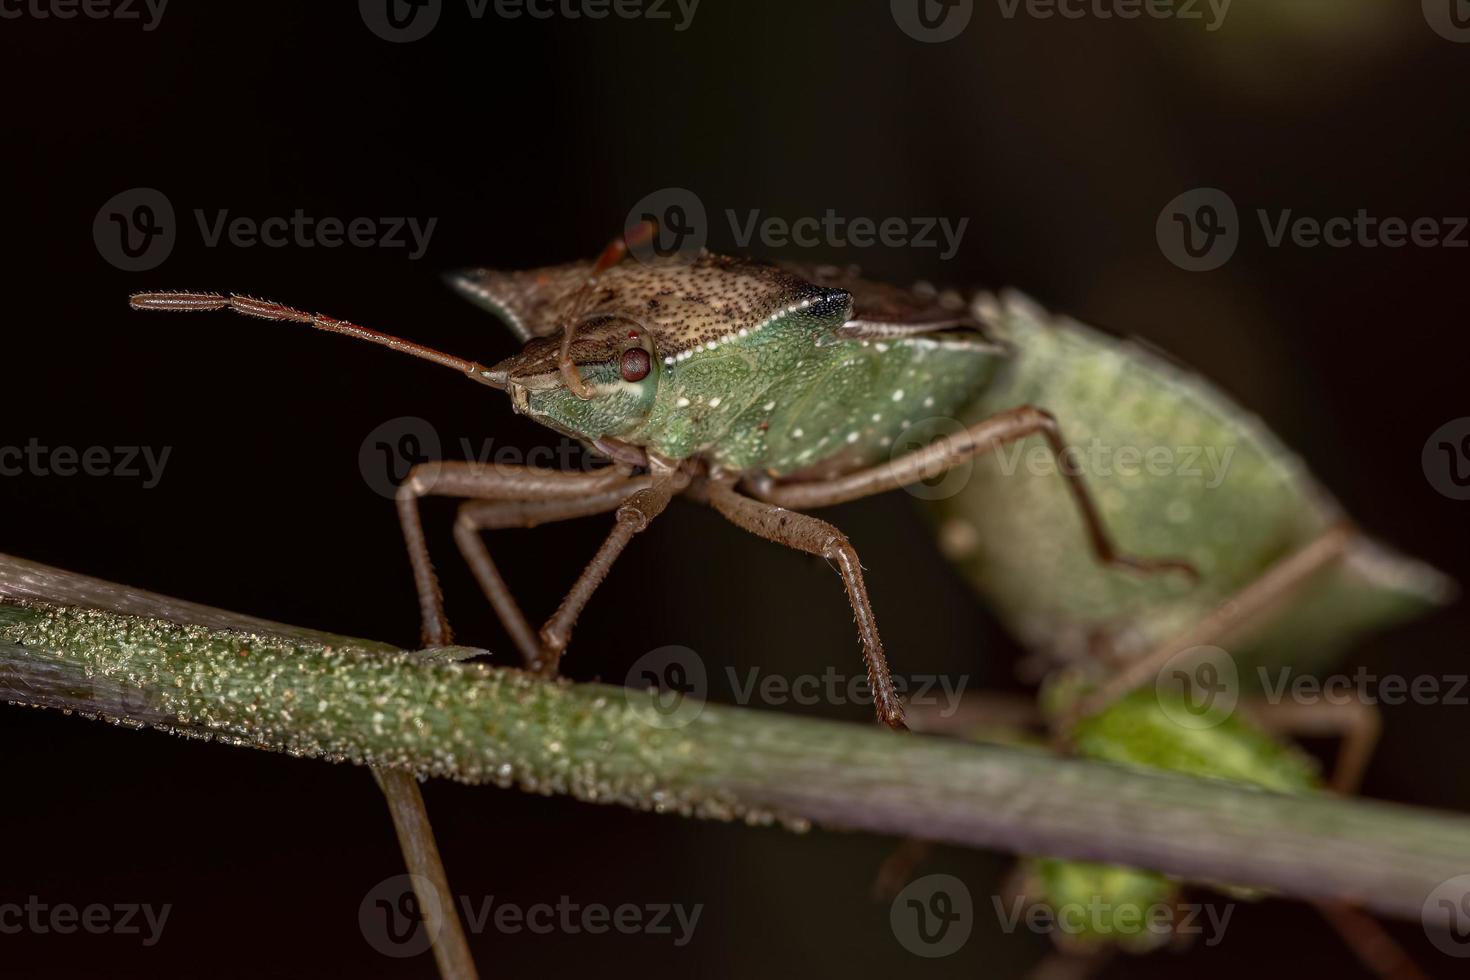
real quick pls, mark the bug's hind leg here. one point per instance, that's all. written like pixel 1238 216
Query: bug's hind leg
pixel 983 437
pixel 1357 724
pixel 1251 605
pixel 816 537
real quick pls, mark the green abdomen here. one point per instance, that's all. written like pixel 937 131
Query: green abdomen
pixel 1178 470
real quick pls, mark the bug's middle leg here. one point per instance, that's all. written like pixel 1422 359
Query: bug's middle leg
pixel 983 437
pixel 816 537
pixel 477 516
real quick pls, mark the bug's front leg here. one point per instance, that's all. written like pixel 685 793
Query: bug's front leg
pixel 451 479
pixel 816 537
pixel 514 495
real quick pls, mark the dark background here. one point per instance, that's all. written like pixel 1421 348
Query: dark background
pixel 529 141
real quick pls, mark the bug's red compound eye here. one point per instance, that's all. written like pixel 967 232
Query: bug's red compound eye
pixel 635 364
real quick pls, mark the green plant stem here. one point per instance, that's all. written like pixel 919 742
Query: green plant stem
pixel 91 647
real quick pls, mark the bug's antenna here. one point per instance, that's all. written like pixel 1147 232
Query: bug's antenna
pixel 266 310
pixel 616 251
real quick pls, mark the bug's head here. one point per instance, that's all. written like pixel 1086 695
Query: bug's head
pixel 611 390
pixel 629 322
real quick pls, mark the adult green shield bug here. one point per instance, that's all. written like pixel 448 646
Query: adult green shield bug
pixel 759 389
pixel 766 391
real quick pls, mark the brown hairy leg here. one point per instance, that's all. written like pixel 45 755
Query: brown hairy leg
pixel 944 454
pixel 816 537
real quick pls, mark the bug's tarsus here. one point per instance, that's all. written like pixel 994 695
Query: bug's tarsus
pixel 183 302
pixel 178 301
